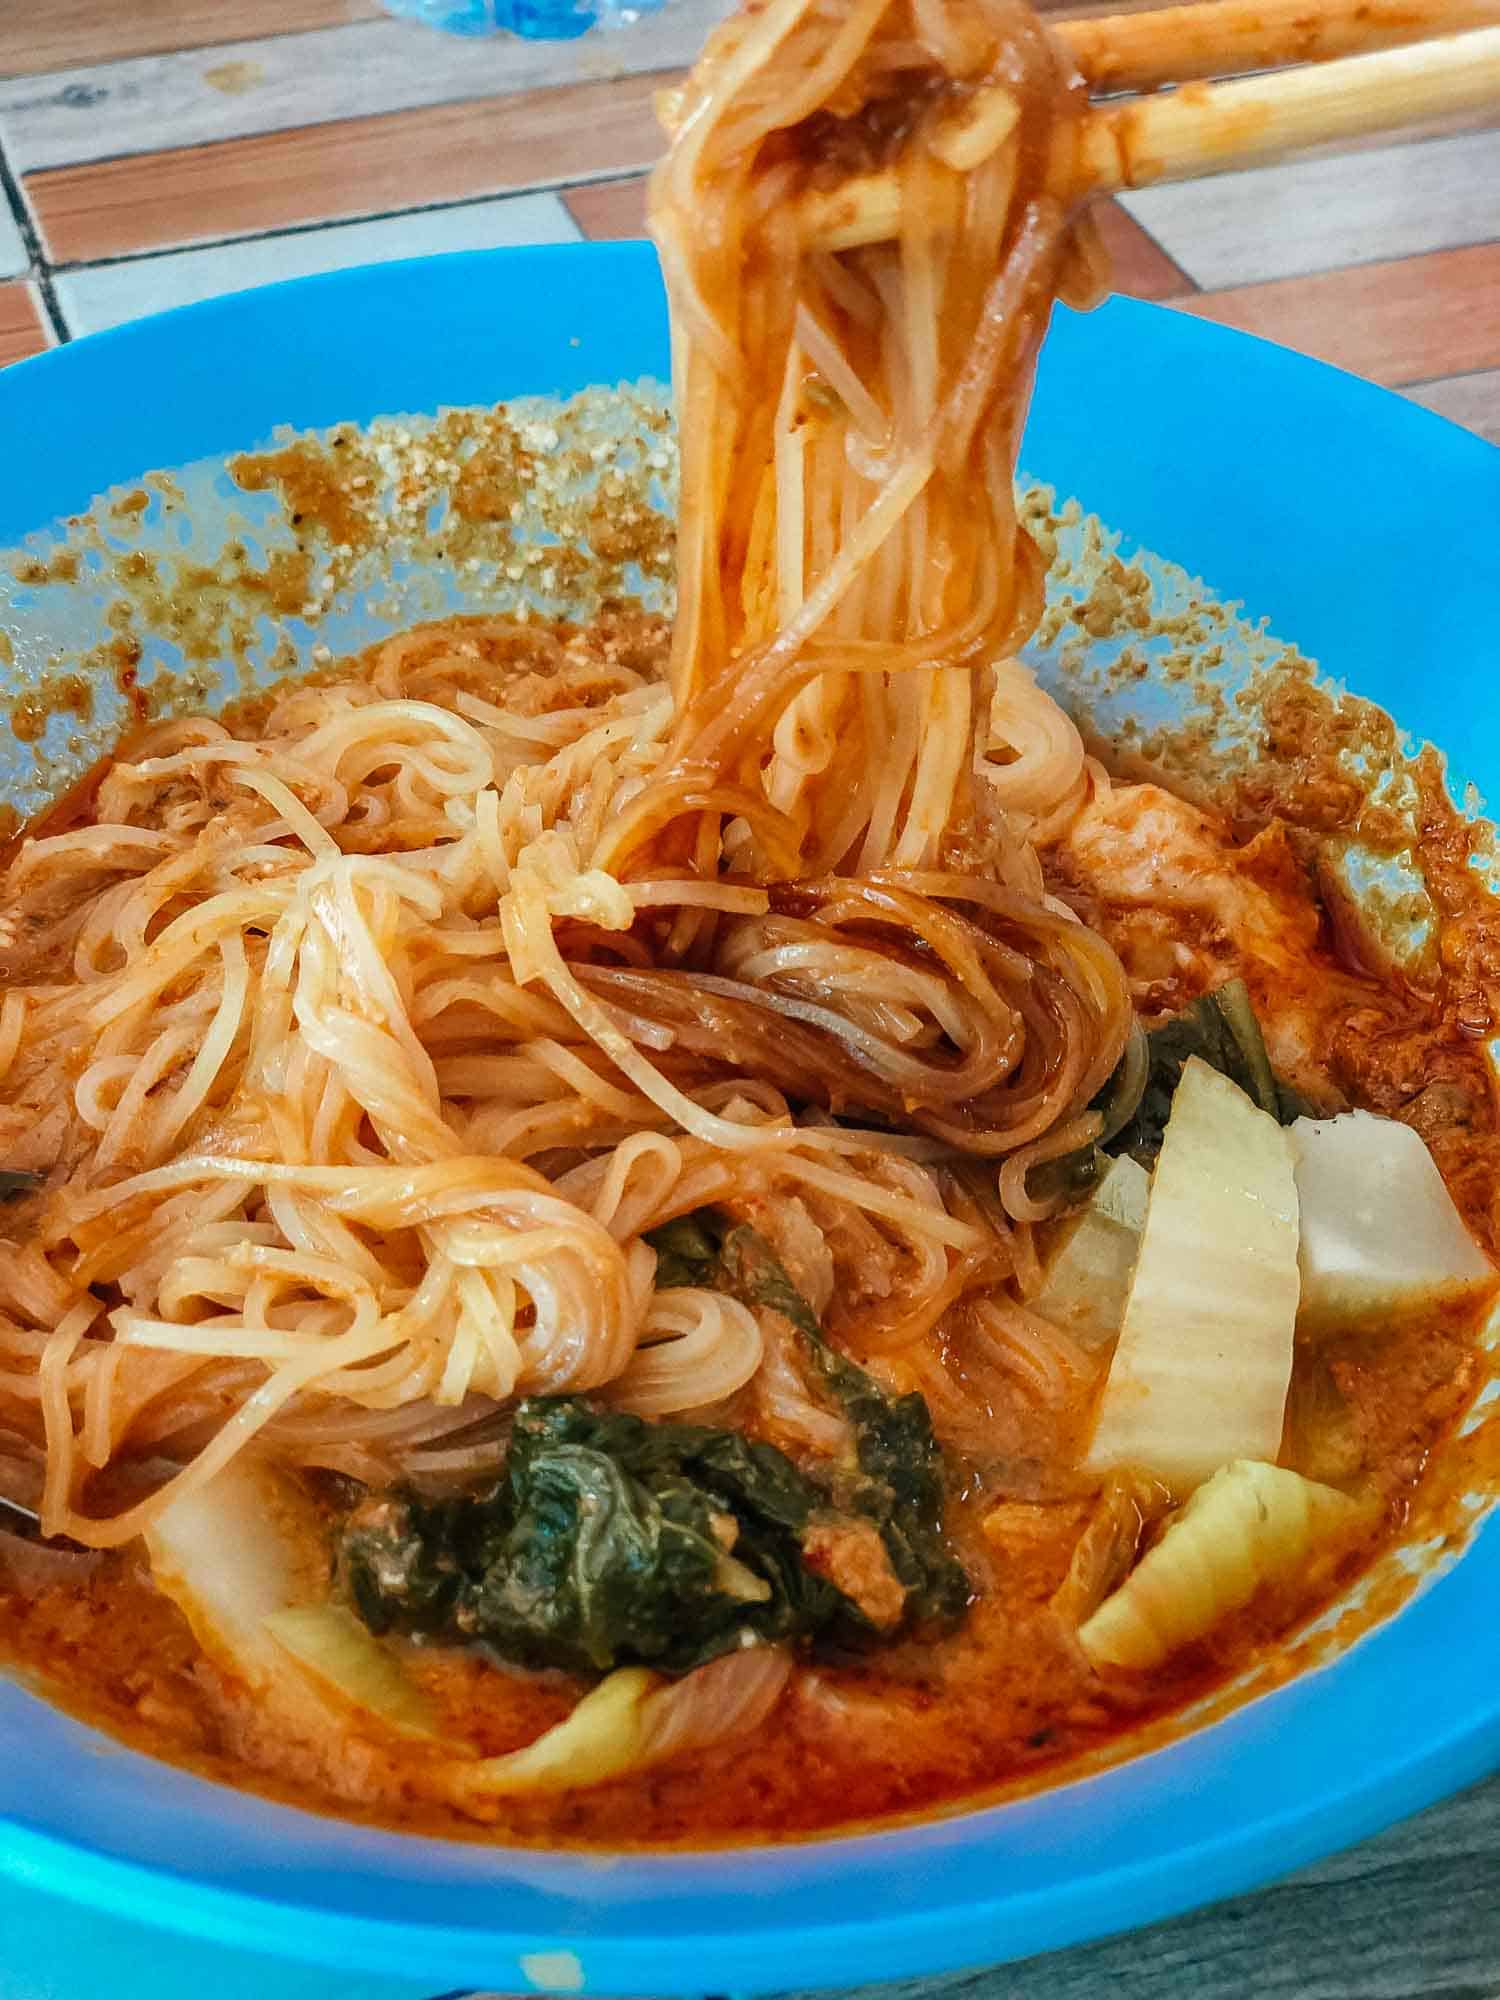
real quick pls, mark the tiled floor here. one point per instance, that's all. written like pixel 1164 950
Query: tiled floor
pixel 156 151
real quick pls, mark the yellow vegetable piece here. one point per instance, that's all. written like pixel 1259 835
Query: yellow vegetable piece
pixel 1091 1257
pixel 331 1643
pixel 1249 1525
pixel 603 1738
pixel 1204 1359
pixel 241 1557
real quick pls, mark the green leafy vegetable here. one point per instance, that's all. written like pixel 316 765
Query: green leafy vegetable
pixel 896 1481
pixel 612 1541
pixel 13 1184
pixel 609 1542
pixel 687 1251
pixel 1221 1028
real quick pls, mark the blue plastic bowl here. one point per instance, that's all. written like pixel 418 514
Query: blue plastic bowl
pixel 1363 528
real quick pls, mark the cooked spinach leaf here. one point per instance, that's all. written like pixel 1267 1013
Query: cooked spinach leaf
pixel 608 1542
pixel 896 1481
pixel 687 1251
pixel 1221 1028
pixel 1073 1176
pixel 613 1541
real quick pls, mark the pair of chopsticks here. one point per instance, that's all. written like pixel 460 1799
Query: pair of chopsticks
pixel 1365 66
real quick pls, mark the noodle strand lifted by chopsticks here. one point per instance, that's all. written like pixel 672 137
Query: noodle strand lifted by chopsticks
pixel 849 423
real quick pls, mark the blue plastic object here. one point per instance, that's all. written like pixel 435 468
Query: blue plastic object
pixel 537 20
pixel 1359 525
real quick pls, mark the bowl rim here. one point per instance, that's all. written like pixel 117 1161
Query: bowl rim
pixel 1209 1815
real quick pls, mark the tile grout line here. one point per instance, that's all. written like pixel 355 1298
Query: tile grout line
pixel 39 272
pixel 559 189
pixel 56 317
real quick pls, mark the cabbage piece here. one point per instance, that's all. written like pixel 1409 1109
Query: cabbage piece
pixel 241 1557
pixel 1204 1358
pixel 1128 1504
pixel 603 1738
pixel 632 1720
pixel 1092 1255
pixel 331 1643
pixel 1249 1525
pixel 1380 1232
pixel 230 1554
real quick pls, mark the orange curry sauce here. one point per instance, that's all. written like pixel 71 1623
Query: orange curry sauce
pixel 1188 901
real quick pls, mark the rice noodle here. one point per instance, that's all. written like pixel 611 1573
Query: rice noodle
pixel 696 1347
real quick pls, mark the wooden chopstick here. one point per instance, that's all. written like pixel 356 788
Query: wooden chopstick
pixel 1228 37
pixel 1211 128
pixel 1208 128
